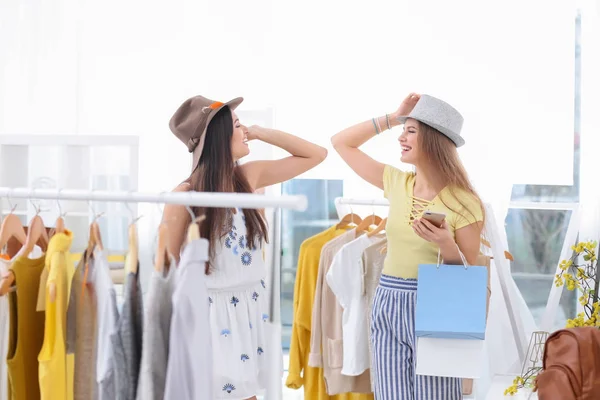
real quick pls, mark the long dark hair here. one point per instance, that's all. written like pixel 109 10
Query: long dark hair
pixel 218 172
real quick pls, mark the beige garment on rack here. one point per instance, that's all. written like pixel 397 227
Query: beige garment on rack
pixel 326 344
pixel 372 262
pixel 81 330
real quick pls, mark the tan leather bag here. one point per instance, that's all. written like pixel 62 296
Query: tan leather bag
pixel 571 366
pixel 467 383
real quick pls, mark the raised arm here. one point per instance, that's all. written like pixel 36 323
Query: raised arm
pixel 304 156
pixel 348 141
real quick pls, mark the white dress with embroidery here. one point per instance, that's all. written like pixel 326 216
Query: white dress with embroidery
pixel 238 314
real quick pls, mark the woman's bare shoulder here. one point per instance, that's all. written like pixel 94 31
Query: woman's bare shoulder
pixel 183 187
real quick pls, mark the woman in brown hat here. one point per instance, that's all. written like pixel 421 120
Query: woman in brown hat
pixel 236 271
pixel 429 141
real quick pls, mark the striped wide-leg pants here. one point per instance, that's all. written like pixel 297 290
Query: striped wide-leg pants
pixel 394 343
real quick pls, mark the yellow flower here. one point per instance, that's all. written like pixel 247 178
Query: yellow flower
pixel 559 281
pixel 511 390
pixel 564 265
pixel 577 321
pixel 519 380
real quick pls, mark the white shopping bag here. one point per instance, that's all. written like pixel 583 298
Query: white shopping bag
pixel 459 358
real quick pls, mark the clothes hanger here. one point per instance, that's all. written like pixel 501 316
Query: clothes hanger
pixel 94 241
pixel 133 253
pixel 59 226
pixel 132 259
pixel 367 222
pixel 194 229
pixel 193 232
pixel 162 255
pixel 349 219
pixel 11 227
pixel 378 229
pixel 94 238
pixel 36 234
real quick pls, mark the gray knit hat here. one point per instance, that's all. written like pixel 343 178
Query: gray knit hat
pixel 439 115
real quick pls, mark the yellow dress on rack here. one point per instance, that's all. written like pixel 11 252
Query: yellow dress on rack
pixel 299 373
pixel 55 366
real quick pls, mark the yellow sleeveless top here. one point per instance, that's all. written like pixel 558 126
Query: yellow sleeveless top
pixel 26 332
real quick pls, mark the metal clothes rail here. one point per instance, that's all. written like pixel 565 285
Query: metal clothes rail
pixel 197 199
pixel 361 202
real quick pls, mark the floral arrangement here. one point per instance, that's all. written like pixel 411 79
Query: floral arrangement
pixel 584 278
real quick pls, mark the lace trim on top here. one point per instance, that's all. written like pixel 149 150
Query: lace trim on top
pixel 418 206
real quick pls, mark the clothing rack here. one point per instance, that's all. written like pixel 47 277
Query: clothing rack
pixel 361 202
pixel 196 199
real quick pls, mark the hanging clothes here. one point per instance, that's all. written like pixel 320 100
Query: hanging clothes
pixel 81 330
pixel 345 279
pixel 189 371
pixel 4 331
pixel 55 366
pixel 5 263
pixel 326 332
pixel 299 372
pixel 157 326
pixel 372 262
pixel 108 316
pixel 127 340
pixel 26 334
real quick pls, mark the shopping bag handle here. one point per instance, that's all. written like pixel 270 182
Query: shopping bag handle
pixel 462 257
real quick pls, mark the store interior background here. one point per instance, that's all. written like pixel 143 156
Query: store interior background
pixel 87 90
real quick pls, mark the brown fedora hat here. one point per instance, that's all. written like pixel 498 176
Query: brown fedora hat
pixel 191 119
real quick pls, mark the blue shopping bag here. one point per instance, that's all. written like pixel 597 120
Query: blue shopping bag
pixel 451 301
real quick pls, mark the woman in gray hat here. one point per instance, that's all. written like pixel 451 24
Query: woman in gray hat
pixel 429 139
pixel 236 271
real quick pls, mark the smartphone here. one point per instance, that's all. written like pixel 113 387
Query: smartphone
pixel 435 218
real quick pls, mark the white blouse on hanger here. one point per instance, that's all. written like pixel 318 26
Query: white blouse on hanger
pixel 345 278
pixel 189 371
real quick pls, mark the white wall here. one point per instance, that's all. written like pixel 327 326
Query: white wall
pixel 508 67
pixel 80 66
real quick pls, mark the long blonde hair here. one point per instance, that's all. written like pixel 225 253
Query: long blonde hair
pixel 444 165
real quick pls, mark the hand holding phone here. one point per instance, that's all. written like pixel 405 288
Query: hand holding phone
pixel 435 218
